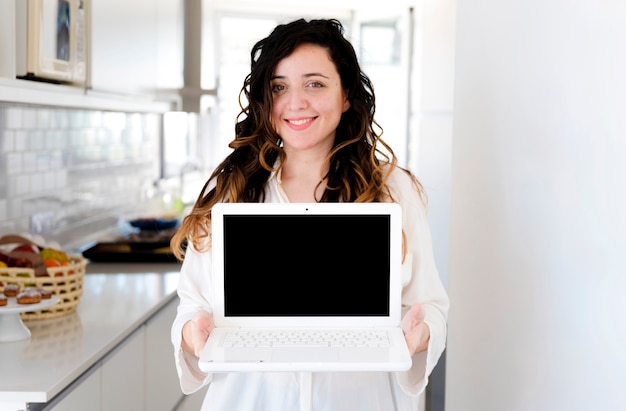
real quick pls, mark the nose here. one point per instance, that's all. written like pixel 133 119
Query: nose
pixel 297 99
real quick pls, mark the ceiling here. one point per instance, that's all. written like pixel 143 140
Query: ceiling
pixel 320 7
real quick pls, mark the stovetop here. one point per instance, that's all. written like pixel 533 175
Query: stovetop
pixel 142 246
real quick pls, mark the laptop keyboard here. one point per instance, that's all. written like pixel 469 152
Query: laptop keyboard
pixel 307 338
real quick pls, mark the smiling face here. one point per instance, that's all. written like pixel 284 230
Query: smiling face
pixel 308 99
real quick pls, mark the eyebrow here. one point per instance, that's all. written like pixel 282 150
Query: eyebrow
pixel 307 75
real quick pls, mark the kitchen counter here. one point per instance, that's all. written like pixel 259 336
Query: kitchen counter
pixel 116 300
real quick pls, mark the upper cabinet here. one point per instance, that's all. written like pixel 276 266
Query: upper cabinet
pixel 137 46
pixel 134 56
pixel 7 38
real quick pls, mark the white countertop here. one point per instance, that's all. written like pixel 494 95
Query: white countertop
pixel 116 300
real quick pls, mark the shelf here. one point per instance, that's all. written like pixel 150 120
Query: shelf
pixel 57 95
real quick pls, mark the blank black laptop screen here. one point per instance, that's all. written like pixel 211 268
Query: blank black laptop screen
pixel 306 265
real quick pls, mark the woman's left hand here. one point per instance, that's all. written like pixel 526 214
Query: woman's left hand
pixel 416 331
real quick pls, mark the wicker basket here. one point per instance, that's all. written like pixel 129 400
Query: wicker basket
pixel 65 282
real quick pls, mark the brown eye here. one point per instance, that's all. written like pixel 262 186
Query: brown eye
pixel 277 88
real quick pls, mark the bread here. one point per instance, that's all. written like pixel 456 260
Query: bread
pixel 29 296
pixel 45 294
pixel 11 290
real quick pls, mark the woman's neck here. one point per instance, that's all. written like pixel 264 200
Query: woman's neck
pixel 301 177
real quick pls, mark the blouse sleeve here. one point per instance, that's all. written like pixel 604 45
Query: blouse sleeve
pixel 194 285
pixel 421 283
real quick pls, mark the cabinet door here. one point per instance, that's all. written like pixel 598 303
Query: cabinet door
pixel 171 44
pixel 86 395
pixel 124 46
pixel 7 39
pixel 123 375
pixel 136 46
pixel 162 386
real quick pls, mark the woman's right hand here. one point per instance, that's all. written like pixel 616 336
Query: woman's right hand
pixel 196 331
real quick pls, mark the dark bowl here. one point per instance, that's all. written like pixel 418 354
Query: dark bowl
pixel 154 224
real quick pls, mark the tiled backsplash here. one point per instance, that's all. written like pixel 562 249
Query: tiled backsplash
pixel 80 168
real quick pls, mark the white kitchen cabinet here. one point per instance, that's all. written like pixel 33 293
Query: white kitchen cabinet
pixel 162 386
pixel 136 46
pixel 136 62
pixel 74 355
pixel 86 395
pixel 123 375
pixel 116 383
pixel 139 374
pixel 7 38
pixel 171 44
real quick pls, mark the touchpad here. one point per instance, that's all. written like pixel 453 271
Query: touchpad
pixel 305 355
pixel 247 354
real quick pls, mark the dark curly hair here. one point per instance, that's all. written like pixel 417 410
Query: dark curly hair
pixel 359 162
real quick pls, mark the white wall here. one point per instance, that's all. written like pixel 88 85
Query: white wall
pixel 538 219
pixel 431 147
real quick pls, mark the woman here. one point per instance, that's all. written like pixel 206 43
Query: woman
pixel 308 134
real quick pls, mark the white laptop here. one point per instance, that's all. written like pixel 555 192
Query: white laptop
pixel 307 272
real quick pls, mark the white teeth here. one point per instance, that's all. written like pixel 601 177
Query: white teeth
pixel 299 122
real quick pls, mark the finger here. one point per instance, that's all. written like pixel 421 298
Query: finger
pixel 202 327
pixel 204 321
pixel 413 317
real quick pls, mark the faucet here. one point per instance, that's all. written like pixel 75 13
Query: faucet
pixel 188 167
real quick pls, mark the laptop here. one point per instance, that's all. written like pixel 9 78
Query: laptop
pixel 306 269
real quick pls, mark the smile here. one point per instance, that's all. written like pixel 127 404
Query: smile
pixel 300 122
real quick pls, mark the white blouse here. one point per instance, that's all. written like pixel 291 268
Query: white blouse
pixel 364 391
